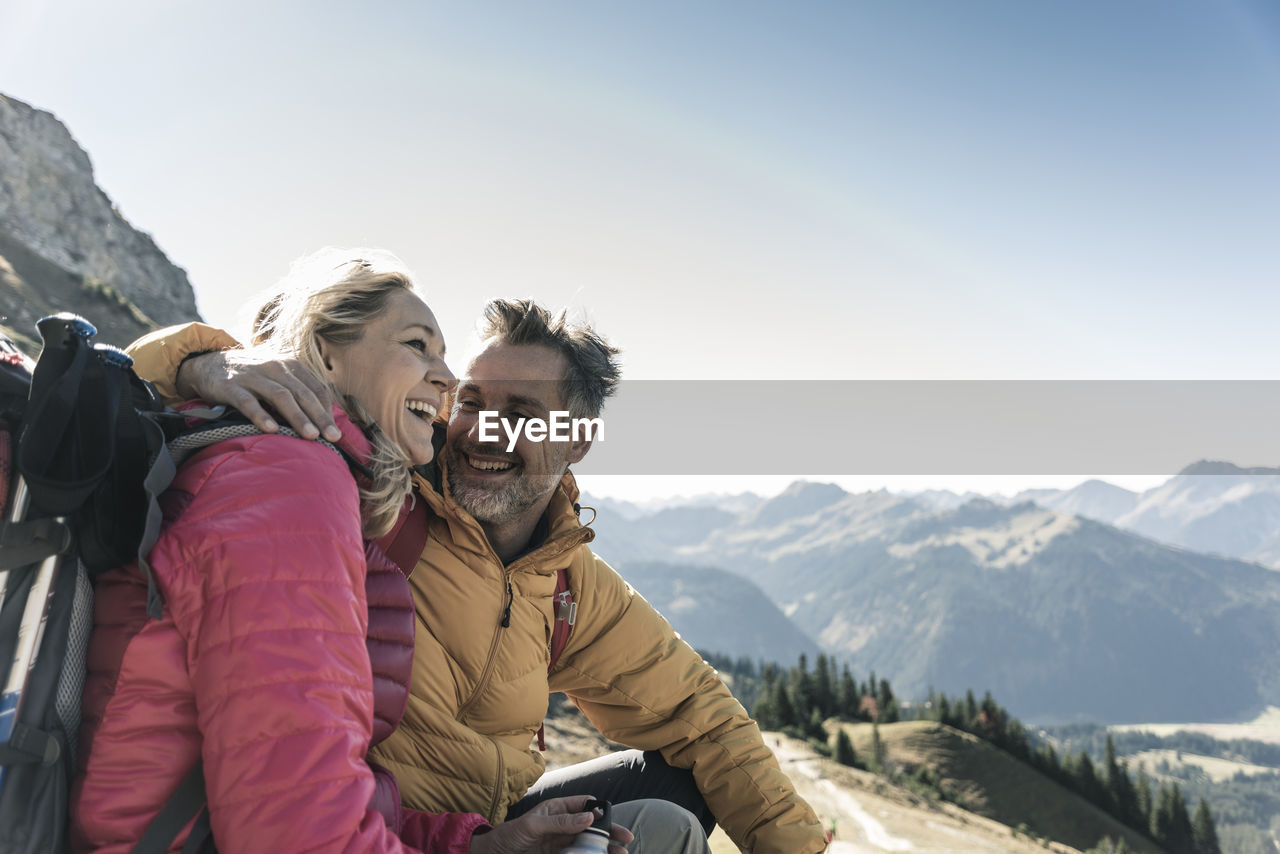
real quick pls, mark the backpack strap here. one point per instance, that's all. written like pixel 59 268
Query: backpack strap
pixel 28 745
pixel 164 467
pixel 187 802
pixel 159 476
pixel 26 542
pixel 566 614
pixel 405 541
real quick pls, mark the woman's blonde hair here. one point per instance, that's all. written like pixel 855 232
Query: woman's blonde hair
pixel 332 295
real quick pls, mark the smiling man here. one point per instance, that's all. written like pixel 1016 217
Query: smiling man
pixel 506 487
pixel 502 525
pixel 528 368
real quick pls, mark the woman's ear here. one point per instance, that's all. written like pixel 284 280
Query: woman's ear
pixel 326 352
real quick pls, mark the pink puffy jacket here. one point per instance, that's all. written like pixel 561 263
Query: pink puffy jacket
pixel 274 608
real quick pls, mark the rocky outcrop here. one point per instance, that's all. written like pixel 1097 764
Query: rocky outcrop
pixel 63 244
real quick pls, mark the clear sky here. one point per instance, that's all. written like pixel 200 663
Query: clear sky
pixel 941 189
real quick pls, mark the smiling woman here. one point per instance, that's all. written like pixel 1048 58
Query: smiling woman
pixel 352 319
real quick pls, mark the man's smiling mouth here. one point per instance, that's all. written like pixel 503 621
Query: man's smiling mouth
pixel 488 465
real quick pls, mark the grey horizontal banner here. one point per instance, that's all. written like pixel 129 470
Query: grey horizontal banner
pixel 935 427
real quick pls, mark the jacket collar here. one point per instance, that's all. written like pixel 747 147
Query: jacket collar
pixel 353 440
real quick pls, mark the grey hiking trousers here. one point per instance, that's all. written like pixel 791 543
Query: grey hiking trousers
pixel 661 827
pixel 661 805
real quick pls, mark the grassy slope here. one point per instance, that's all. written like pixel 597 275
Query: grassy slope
pixel 992 783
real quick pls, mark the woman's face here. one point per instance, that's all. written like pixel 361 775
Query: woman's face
pixel 397 372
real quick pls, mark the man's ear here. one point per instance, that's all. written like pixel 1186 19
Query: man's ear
pixel 578 450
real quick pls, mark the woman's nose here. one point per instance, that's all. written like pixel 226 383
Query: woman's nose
pixel 442 378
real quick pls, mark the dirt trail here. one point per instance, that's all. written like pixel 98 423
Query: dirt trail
pixel 871 816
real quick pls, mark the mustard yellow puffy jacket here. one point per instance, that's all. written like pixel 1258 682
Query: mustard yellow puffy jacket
pixel 479 690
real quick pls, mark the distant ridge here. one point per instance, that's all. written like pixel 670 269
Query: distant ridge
pixel 800 498
pixel 718 611
pixel 1224 468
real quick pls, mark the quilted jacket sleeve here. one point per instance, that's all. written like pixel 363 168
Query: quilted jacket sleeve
pixel 157 355
pixel 264 577
pixel 643 686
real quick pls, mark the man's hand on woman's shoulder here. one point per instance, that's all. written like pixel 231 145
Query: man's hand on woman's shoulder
pixel 246 381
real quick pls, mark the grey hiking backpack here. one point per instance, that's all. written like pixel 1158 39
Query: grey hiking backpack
pixel 86 447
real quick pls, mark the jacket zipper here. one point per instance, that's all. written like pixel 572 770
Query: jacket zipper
pixel 568 541
pixel 483 681
pixel 494 818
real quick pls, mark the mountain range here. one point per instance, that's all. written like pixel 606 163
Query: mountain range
pixel 1212 507
pixel 1060 616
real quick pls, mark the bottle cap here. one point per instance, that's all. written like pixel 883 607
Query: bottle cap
pixel 603 824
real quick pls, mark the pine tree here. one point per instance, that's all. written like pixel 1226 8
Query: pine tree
pixel 1015 738
pixel 815 729
pixel 970 713
pixel 784 711
pixel 845 754
pixel 886 703
pixel 1145 817
pixel 802 693
pixel 1111 764
pixel 1181 837
pixel 1046 759
pixel 944 711
pixel 1204 832
pixel 1124 800
pixel 765 710
pixel 890 713
pixel 1087 781
pixel 824 695
pixel 764 713
pixel 847 697
pixel 991 719
pixel 1162 816
pixel 877 749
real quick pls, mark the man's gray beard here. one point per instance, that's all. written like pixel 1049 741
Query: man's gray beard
pixel 500 505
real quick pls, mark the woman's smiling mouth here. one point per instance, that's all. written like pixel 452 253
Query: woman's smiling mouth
pixel 422 409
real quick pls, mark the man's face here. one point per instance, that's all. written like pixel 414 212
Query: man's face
pixel 492 483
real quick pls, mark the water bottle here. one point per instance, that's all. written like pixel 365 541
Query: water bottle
pixel 595 839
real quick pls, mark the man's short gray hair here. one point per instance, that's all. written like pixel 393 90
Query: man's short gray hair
pixel 593 368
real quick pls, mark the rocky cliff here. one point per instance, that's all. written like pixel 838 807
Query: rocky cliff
pixel 65 246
